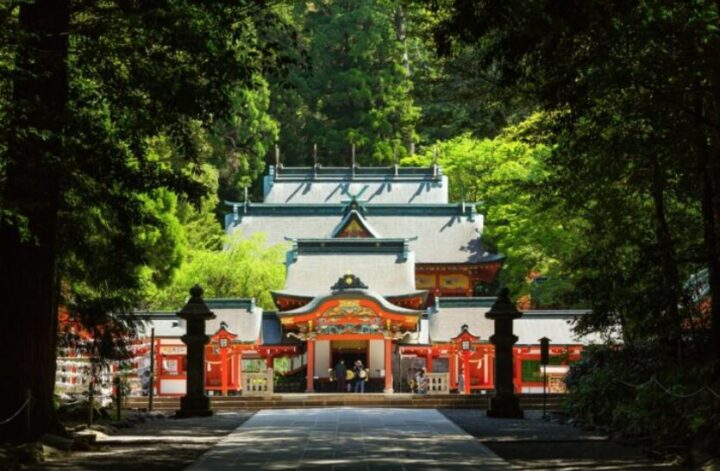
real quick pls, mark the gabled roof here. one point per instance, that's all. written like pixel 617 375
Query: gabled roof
pixel 445 233
pixel 165 323
pixel 241 319
pixel 354 225
pixel 350 294
pixel 446 323
pixel 557 324
pixel 239 315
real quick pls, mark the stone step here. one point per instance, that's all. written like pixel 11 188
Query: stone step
pixel 554 402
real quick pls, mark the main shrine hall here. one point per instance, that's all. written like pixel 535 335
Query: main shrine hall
pixel 381 267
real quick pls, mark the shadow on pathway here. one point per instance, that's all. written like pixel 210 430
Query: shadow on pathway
pixel 167 444
pixel 533 443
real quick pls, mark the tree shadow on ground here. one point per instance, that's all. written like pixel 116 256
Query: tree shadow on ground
pixel 534 443
pixel 161 444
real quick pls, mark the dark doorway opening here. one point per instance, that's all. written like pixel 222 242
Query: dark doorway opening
pixel 349 351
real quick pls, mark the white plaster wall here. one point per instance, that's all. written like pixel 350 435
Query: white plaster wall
pixel 376 354
pixel 172 386
pixel 322 358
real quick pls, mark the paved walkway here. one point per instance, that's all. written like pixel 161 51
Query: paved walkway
pixel 349 439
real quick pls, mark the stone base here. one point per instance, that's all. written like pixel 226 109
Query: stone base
pixel 194 407
pixel 388 390
pixel 505 407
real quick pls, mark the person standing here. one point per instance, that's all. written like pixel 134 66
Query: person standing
pixel 422 381
pixel 340 374
pixel 360 375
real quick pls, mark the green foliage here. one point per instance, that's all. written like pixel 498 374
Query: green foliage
pixel 240 142
pixel 614 387
pixel 200 226
pixel 503 176
pixel 625 88
pixel 353 86
pixel 108 111
pixel 624 102
pixel 244 268
pixel 455 94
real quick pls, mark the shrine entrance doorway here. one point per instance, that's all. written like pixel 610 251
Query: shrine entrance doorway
pixel 350 351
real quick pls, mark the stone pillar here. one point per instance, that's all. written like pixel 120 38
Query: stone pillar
pixel 504 403
pixel 310 385
pixel 388 366
pixel 195 403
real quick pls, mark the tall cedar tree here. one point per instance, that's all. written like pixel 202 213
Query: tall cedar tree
pixel 350 85
pixel 91 83
pixel 635 85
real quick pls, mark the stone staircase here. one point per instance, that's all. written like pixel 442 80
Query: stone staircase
pixel 297 400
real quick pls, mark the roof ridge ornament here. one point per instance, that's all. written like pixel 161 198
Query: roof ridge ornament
pixel 348 281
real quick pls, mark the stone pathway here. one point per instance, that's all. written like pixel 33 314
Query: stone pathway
pixel 349 439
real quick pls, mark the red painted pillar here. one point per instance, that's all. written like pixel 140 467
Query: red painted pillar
pixel 223 371
pixel 158 370
pixel 466 372
pixel 232 384
pixel 517 370
pixel 239 369
pixel 491 368
pixel 269 361
pixel 388 367
pixel 310 365
pixel 452 359
pixel 428 361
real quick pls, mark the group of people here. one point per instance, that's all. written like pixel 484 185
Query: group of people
pixel 357 375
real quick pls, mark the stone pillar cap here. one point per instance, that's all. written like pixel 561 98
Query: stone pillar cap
pixel 503 308
pixel 196 308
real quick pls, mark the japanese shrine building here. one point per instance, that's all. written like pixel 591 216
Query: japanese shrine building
pixel 380 267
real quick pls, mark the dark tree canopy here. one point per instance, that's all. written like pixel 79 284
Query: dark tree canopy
pixel 87 88
pixel 632 91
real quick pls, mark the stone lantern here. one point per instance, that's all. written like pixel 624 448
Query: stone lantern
pixel 504 403
pixel 195 403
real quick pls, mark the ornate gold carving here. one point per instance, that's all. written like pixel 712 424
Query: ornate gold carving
pixel 348 303
pixel 423 281
pixel 454 281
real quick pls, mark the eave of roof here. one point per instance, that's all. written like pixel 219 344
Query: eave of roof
pixel 555 313
pixel 350 245
pixel 349 294
pixel 242 209
pixel 462 302
pixel 231 303
pixel 478 260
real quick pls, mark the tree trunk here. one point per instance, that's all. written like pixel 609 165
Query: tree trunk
pixel 32 192
pixel 671 275
pixel 711 220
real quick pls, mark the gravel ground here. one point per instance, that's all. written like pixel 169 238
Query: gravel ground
pixel 160 444
pixel 533 443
